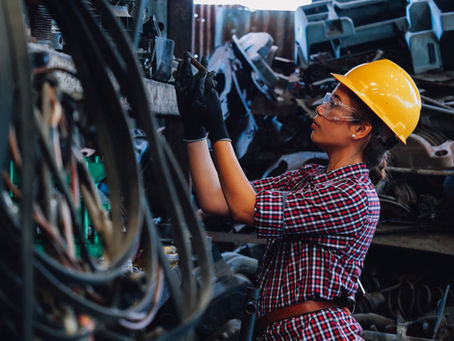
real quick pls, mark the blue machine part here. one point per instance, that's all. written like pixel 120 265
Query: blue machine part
pixel 335 25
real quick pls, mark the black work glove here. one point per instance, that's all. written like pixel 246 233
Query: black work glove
pixel 184 80
pixel 207 106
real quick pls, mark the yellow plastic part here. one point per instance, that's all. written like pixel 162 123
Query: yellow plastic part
pixel 389 91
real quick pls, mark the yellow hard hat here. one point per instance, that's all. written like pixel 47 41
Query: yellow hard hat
pixel 389 91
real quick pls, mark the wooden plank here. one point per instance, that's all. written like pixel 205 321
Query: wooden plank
pixel 162 97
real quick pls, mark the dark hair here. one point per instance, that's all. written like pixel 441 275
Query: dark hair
pixel 381 140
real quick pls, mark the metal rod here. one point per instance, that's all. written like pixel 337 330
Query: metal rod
pixel 433 101
pixel 196 63
pixel 440 172
pixel 435 108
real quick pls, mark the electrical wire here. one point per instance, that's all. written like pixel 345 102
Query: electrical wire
pixel 22 102
pixel 110 76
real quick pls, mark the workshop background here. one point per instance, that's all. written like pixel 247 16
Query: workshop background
pixel 100 234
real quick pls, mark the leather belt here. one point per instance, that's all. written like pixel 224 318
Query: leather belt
pixel 292 311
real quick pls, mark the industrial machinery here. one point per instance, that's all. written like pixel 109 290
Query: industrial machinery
pixel 54 286
pixel 407 280
pixel 101 236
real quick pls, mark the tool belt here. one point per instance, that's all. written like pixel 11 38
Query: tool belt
pixel 293 310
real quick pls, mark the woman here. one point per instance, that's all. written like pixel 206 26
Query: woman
pixel 319 221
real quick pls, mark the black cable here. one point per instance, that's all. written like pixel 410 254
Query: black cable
pixel 6 90
pixel 20 62
pixel 94 75
pixel 108 115
pixel 162 170
pixel 109 76
pixel 149 125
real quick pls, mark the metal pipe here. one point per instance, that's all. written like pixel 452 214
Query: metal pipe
pixel 439 172
pixel 438 109
pixel 196 63
pixel 433 101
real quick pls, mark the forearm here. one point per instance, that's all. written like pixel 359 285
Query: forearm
pixel 238 192
pixel 205 179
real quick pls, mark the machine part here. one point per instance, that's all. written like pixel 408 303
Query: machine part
pixel 228 302
pixel 372 302
pixel 420 153
pixel 406 298
pixel 338 27
pixel 250 312
pixel 423 299
pixel 391 208
pixel 252 47
pixel 240 264
pixel 401 332
pixel 335 26
pixel 380 322
pixel 40 23
pixel 164 56
pixel 421 39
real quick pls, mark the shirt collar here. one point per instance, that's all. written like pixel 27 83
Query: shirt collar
pixel 355 170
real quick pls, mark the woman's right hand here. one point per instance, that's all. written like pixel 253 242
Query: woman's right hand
pixel 207 106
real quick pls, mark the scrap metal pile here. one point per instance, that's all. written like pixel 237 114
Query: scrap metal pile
pixel 268 104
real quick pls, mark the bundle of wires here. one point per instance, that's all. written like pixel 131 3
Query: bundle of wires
pixel 70 295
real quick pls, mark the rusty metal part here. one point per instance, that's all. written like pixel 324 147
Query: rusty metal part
pixel 196 63
pixel 423 299
pixel 406 298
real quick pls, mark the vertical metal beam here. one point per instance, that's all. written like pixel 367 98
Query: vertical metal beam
pixel 180 15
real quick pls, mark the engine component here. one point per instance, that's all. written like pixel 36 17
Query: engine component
pixel 338 27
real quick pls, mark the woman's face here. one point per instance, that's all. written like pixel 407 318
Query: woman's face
pixel 335 123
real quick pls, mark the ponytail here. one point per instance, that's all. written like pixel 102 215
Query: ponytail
pixel 376 151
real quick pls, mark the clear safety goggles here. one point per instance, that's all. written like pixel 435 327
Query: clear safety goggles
pixel 334 110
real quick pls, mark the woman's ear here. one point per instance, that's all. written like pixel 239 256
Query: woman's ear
pixel 362 129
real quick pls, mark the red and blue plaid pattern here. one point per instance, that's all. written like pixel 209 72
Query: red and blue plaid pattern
pixel 319 227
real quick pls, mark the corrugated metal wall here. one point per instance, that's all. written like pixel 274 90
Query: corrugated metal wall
pixel 214 24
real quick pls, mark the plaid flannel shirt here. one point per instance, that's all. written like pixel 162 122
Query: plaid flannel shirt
pixel 319 226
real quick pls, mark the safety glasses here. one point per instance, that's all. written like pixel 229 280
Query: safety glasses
pixel 334 110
